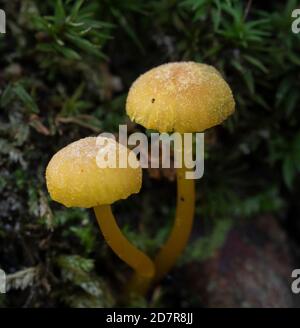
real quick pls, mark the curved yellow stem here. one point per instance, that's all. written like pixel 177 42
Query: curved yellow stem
pixel 137 260
pixel 181 230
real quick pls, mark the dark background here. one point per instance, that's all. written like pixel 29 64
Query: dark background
pixel 65 70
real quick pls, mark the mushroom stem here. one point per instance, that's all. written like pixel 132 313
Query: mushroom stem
pixel 181 230
pixel 136 259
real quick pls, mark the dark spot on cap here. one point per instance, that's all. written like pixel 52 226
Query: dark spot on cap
pixel 153 100
pixel 182 199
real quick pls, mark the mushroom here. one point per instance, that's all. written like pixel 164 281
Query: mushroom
pixel 74 179
pixel 181 97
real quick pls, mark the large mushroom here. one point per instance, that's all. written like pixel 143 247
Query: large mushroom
pixel 75 179
pixel 179 97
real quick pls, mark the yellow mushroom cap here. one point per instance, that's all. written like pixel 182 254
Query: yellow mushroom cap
pixel 75 178
pixel 181 97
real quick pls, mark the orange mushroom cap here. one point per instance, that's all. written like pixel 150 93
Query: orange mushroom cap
pixel 74 178
pixel 181 97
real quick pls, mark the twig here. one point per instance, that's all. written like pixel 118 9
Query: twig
pixel 248 7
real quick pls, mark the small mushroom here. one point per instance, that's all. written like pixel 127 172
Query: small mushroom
pixel 75 180
pixel 188 97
